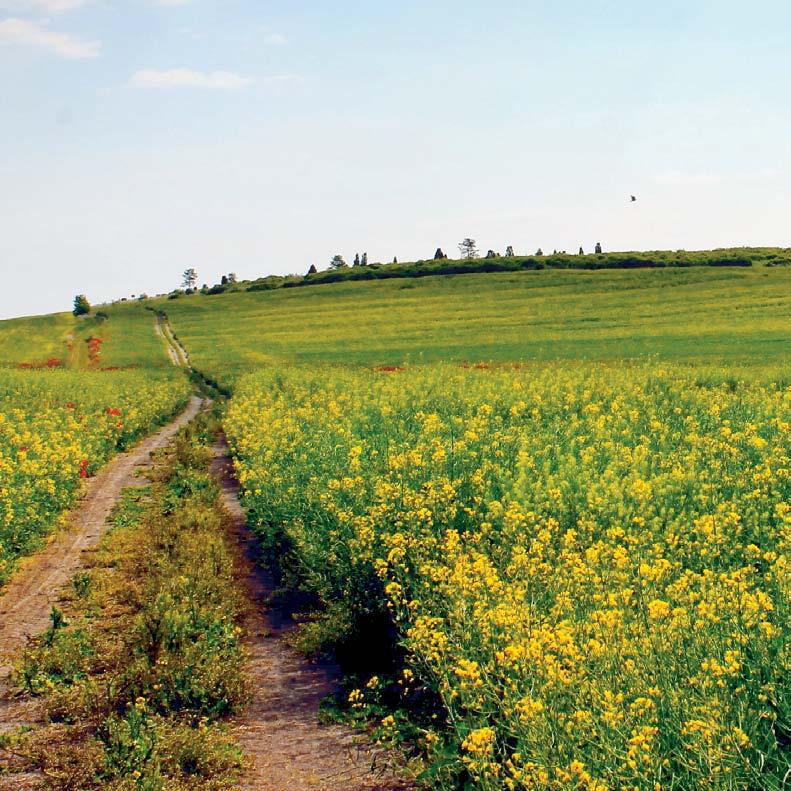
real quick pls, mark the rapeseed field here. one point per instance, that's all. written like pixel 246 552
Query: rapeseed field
pixel 586 566
pixel 58 427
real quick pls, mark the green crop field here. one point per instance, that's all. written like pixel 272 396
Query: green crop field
pixel 127 340
pixel 699 314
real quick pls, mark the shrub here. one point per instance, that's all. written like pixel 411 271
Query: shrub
pixel 81 305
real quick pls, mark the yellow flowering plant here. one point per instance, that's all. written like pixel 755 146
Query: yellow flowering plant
pixel 587 564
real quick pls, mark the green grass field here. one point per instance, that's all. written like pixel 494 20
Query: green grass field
pixel 128 339
pixel 742 316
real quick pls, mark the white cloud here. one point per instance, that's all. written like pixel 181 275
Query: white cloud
pixel 23 31
pixel 187 78
pixel 42 6
pixel 276 39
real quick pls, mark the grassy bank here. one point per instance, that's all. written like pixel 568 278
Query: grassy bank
pixel 652 259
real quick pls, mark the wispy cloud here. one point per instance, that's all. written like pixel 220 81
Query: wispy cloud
pixel 41 6
pixel 187 78
pixel 65 45
pixel 275 39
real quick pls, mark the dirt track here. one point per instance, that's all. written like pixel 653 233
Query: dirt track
pixel 280 730
pixel 26 602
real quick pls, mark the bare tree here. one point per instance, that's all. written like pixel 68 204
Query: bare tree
pixel 189 278
pixel 468 248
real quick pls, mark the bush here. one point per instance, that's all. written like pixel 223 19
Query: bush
pixel 81 305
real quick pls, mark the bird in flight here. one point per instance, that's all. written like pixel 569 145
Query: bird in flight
pixel 634 200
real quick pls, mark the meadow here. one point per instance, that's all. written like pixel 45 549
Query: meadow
pixel 699 314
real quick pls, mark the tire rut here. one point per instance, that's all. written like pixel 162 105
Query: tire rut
pixel 279 731
pixel 26 602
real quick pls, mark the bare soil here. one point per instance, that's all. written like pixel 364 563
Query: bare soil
pixel 288 747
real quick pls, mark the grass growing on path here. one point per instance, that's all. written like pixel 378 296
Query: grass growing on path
pixel 145 660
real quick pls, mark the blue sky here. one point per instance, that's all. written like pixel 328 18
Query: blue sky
pixel 138 137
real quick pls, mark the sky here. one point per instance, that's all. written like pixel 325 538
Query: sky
pixel 142 137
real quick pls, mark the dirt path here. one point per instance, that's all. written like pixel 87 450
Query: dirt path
pixel 177 353
pixel 172 353
pixel 26 602
pixel 280 729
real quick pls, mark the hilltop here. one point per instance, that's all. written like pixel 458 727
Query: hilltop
pixel 696 314
pixel 494 262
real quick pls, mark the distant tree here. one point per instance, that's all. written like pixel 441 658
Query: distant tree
pixel 554 252
pixel 189 279
pixel 598 248
pixel 81 305
pixel 364 261
pixel 232 278
pixel 509 251
pixel 468 248
pixel 491 254
pixel 539 252
pixel 224 280
pixel 439 255
pixel 581 252
pixel 338 262
pixel 357 259
pixel 395 259
pixel 312 270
